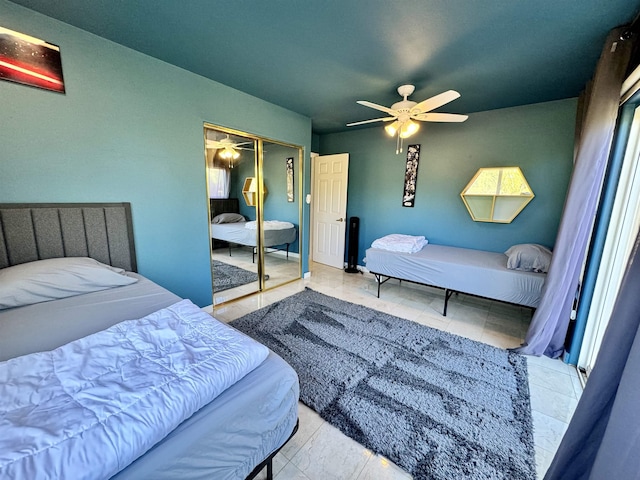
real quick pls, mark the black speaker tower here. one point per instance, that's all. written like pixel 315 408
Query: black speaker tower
pixel 352 254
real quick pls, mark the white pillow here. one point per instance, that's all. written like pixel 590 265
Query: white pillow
pixel 529 257
pixel 228 218
pixel 54 278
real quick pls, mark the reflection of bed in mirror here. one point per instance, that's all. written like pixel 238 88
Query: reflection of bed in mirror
pixel 229 226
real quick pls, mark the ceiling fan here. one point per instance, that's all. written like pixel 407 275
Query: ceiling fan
pixel 404 113
pixel 228 148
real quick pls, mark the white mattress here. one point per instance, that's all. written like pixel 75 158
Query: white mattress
pixel 461 269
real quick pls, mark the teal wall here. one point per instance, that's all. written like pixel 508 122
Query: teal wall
pixel 537 138
pixel 129 128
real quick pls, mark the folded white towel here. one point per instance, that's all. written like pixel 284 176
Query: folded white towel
pixel 270 225
pixel 397 242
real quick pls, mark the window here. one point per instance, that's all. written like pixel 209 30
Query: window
pixel 219 180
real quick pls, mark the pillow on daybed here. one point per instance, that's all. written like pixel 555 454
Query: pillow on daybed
pixel 55 278
pixel 228 218
pixel 529 257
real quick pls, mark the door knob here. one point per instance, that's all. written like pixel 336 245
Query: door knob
pixel 340 220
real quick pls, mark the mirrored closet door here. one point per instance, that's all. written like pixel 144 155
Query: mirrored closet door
pixel 255 211
pixel 281 212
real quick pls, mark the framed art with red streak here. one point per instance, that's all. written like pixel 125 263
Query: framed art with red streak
pixel 30 61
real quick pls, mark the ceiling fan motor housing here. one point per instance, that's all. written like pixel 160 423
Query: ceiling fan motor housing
pixel 404 109
pixel 406 90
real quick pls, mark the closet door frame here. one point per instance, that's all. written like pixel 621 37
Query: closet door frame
pixel 258 160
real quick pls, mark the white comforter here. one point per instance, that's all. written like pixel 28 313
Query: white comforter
pixel 91 407
pixel 397 242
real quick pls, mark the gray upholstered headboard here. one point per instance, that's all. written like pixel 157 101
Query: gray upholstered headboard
pixel 223 205
pixel 37 231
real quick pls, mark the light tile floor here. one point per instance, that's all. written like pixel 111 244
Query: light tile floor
pixel 319 451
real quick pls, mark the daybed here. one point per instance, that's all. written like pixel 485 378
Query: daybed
pixel 235 231
pixel 463 270
pixel 130 388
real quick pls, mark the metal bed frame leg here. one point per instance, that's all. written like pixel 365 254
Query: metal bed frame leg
pixel 270 470
pixel 268 462
pixel 447 296
pixel 379 281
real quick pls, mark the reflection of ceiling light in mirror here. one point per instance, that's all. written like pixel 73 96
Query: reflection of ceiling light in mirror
pixel 229 153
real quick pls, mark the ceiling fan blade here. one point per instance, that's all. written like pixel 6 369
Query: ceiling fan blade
pixel 435 102
pixel 383 119
pixel 382 108
pixel 440 117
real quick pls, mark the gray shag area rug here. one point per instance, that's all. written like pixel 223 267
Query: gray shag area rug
pixel 227 276
pixel 438 405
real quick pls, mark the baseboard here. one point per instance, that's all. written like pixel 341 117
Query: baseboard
pixel 281 253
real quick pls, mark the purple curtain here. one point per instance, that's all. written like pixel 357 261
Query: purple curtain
pixel 603 438
pixel 549 324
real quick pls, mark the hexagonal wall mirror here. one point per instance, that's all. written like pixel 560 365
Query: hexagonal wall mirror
pixel 497 194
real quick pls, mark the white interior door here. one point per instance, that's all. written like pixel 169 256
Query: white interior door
pixel 329 208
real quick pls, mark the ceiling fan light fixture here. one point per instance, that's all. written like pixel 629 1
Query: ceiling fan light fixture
pixel 392 128
pixel 409 128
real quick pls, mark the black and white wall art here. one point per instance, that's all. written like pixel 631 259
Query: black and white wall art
pixel 290 195
pixel 411 175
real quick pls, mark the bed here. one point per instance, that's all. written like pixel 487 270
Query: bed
pixel 232 229
pixel 458 270
pixel 233 435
